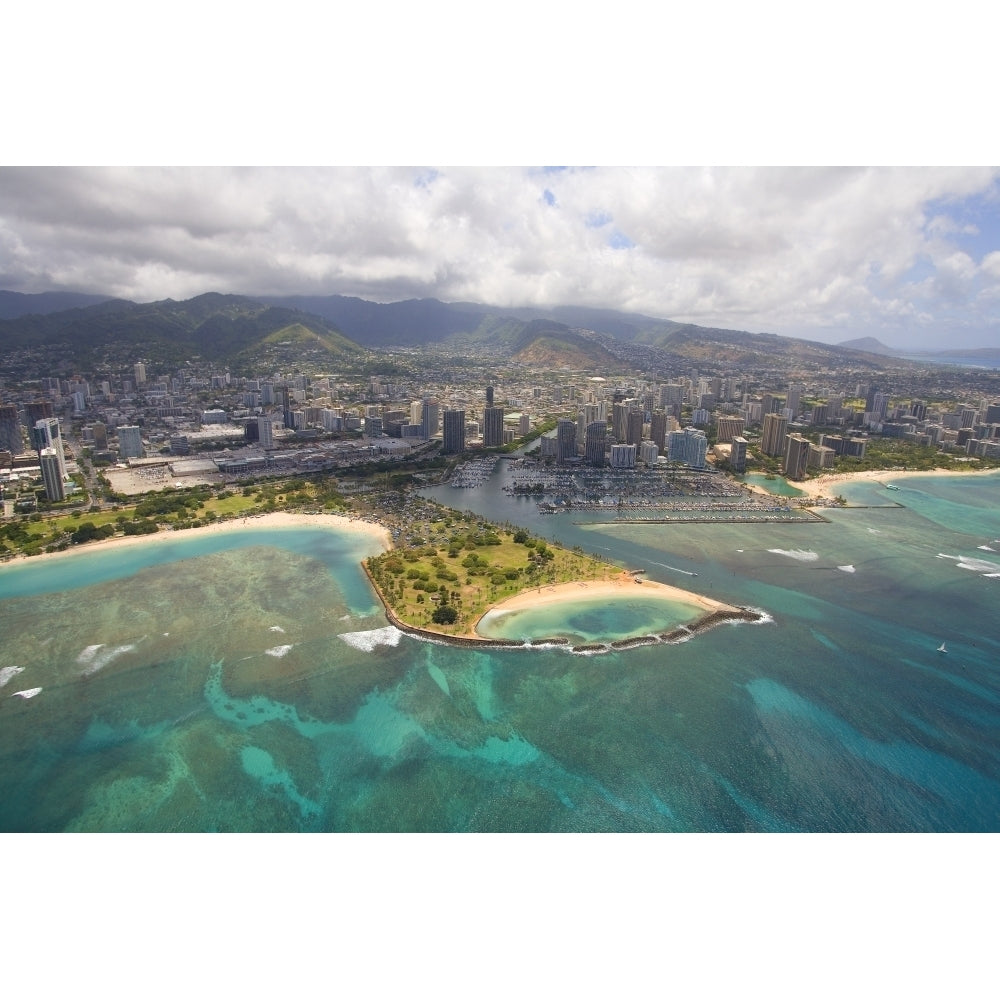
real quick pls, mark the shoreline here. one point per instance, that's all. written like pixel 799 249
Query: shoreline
pixel 713 613
pixel 820 487
pixel 567 593
pixel 272 520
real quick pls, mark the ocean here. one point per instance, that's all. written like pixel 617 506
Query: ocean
pixel 249 681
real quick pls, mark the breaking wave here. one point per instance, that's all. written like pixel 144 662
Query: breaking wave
pixel 27 693
pixel 981 566
pixel 95 658
pixel 276 628
pixel 9 673
pixel 803 555
pixel 278 651
pixel 847 569
pixel 366 641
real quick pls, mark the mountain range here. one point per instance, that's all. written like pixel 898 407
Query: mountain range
pixel 236 329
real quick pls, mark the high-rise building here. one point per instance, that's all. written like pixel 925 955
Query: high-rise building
pixel 597 433
pixel 565 440
pixel 619 422
pixel 821 457
pixel 773 438
pixel 623 456
pixel 140 373
pixel 658 430
pixel 648 452
pixel 493 427
pixel 37 410
pixel 286 399
pixel 633 427
pixel 130 442
pixel 489 395
pixel 794 399
pixel 855 447
pixel 430 418
pixel 729 428
pixel 672 396
pixel 689 446
pixel 52 478
pixel 45 434
pixel 796 456
pixel 10 429
pixel 265 432
pixel 738 455
pixel 880 407
pixel 454 432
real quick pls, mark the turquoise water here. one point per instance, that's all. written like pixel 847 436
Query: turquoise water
pixel 249 681
pixel 590 619
pixel 776 484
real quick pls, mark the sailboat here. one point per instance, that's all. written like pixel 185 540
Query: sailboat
pixel 941 648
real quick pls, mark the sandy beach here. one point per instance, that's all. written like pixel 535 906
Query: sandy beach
pixel 827 486
pixel 277 519
pixel 624 585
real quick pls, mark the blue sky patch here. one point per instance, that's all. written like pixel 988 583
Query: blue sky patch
pixel 426 178
pixel 597 219
pixel 981 212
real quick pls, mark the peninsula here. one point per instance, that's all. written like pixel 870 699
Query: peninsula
pixel 446 587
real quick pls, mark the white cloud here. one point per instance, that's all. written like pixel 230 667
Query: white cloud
pixel 991 265
pixel 803 251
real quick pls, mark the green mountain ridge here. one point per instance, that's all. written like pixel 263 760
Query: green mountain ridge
pixel 418 322
pixel 240 330
pixel 553 345
pixel 214 327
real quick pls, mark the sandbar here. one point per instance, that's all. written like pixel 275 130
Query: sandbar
pixel 275 519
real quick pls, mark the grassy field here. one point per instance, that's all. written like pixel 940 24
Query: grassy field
pixel 169 509
pixel 472 570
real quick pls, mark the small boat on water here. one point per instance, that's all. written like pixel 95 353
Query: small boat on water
pixel 941 648
pixel 889 486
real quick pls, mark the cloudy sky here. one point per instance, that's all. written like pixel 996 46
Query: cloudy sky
pixel 908 255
